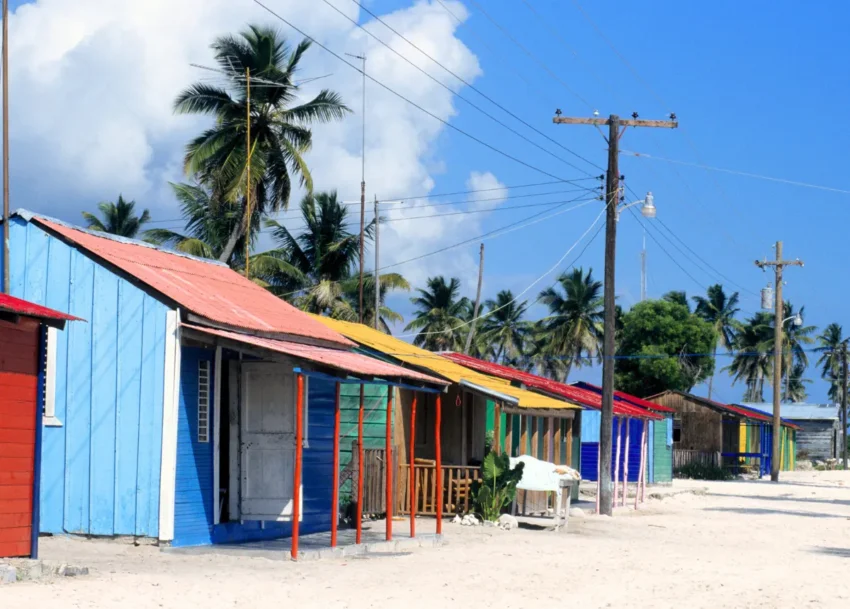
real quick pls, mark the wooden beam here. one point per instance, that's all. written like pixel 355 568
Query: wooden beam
pixel 497 428
pixel 599 121
pixel 509 434
pixel 523 436
pixel 557 441
pixel 569 432
pixel 534 437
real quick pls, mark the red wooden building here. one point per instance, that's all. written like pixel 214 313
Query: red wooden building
pixel 23 334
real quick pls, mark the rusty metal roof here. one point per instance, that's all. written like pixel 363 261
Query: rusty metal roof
pixel 588 399
pixel 347 361
pixel 210 290
pixel 627 397
pixel 17 306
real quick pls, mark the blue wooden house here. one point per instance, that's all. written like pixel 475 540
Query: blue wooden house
pixel 172 411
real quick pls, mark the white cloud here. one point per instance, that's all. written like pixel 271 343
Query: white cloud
pixel 93 84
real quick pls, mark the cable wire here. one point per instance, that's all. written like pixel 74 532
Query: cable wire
pixel 409 101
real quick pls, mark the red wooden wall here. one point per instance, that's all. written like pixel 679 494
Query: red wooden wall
pixel 19 344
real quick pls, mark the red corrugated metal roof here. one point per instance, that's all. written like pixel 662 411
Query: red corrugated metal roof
pixel 208 289
pixel 628 397
pixel 586 398
pixel 348 361
pixel 10 304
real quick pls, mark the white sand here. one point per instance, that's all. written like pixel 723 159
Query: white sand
pixel 745 544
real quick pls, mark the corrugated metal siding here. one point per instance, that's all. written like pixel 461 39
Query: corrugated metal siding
pixel 100 471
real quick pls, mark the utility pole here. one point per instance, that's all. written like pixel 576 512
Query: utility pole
pixel 248 170
pixel 377 275
pixel 5 68
pixel 362 58
pixel 844 404
pixel 612 199
pixel 643 271
pixel 477 301
pixel 778 265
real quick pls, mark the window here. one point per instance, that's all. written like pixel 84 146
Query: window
pixel 677 428
pixel 204 401
pixel 49 397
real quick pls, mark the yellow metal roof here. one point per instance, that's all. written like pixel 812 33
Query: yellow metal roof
pixel 440 365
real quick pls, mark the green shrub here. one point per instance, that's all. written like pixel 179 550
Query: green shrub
pixel 497 488
pixel 702 471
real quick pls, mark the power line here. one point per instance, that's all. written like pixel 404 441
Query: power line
pixel 409 101
pixel 503 230
pixel 533 57
pixel 531 285
pixel 297 214
pixel 465 82
pixel 740 173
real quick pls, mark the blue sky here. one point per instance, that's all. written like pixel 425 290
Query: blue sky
pixel 755 88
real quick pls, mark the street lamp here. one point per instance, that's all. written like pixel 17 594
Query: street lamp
pixel 798 320
pixel 647 207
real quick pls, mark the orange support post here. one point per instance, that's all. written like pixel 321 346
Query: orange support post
pixel 412 475
pixel 335 500
pixel 360 457
pixel 439 466
pixel 388 465
pixel 296 484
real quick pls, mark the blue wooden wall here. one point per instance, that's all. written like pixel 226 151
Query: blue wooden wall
pixel 193 519
pixel 590 446
pixel 101 469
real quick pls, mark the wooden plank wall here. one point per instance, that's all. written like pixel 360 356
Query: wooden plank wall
pixel 18 419
pixel 101 469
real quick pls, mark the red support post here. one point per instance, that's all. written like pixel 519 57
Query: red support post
pixel 296 484
pixel 412 475
pixel 388 465
pixel 439 465
pixel 360 457
pixel 335 500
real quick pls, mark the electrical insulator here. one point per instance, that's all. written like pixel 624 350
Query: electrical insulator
pixel 767 298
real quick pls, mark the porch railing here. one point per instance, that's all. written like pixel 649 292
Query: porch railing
pixel 457 480
pixel 683 458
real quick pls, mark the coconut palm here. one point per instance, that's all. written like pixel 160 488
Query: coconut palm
pixel 279 126
pixel 677 297
pixel 573 329
pixel 796 387
pixel 830 345
pixel 118 218
pixel 719 310
pixel 351 293
pixel 751 363
pixel 208 225
pixel 794 342
pixel 503 332
pixel 441 316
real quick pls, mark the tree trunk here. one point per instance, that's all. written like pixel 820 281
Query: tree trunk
pixel 711 378
pixel 231 242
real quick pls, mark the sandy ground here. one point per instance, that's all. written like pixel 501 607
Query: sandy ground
pixel 743 544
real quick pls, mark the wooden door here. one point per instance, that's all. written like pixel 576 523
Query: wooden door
pixel 267 441
pixel 18 420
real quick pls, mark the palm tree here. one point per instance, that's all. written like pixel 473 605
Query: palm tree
pixel 118 218
pixel 719 310
pixel 831 343
pixel 441 317
pixel 386 315
pixel 208 225
pixel 796 388
pixel 504 333
pixel 280 132
pixel 751 362
pixel 573 329
pixel 677 297
pixel 794 341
